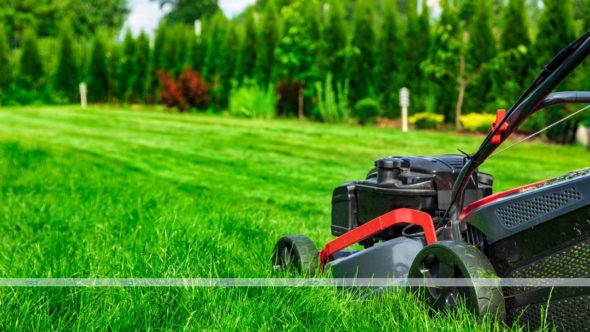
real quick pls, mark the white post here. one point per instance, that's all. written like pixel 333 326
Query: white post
pixel 198 28
pixel 404 102
pixel 83 92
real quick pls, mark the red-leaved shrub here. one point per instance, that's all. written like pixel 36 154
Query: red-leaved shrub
pixel 170 93
pixel 194 89
pixel 190 90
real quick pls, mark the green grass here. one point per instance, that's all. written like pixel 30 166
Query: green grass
pixel 123 193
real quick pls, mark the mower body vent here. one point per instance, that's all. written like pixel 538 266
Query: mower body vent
pixel 569 314
pixel 521 212
pixel 572 262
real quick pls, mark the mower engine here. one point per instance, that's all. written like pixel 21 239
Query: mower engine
pixel 420 183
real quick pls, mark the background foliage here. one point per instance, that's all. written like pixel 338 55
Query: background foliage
pixel 461 57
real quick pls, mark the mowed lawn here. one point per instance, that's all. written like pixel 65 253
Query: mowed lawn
pixel 123 193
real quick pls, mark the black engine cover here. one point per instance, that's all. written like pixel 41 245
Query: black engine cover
pixel 421 183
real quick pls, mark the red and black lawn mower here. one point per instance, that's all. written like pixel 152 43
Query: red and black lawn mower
pixel 436 217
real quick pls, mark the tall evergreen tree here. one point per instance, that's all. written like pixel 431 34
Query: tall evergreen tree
pixel 215 56
pixel 443 64
pixel 232 48
pixel 335 42
pixel 170 44
pixel 249 47
pixel 556 27
pixel 141 68
pixel 512 70
pixel 480 52
pixel 192 50
pixel 362 61
pixel 125 68
pixel 390 59
pixel 98 74
pixel 314 16
pixel 515 27
pixel 158 60
pixel 418 42
pixel 5 67
pixel 582 14
pixel 66 77
pixel 268 39
pixel 180 51
pixel 228 72
pixel 31 71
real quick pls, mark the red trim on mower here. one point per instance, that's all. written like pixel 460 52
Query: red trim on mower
pixel 497 196
pixel 398 216
pixel 500 116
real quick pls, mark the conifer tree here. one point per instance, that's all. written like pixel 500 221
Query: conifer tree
pixel 515 27
pixel 335 42
pixel 314 17
pixel 141 68
pixel 5 67
pixel 231 46
pixel 193 50
pixel 215 56
pixel 480 52
pixel 362 61
pixel 156 62
pixel 125 68
pixel 66 77
pixel 98 74
pixel 249 47
pixel 181 49
pixel 169 53
pixel 31 71
pixel 515 36
pixel 418 42
pixel 443 64
pixel 556 28
pixel 582 14
pixel 512 70
pixel 268 39
pixel 389 59
pixel 159 43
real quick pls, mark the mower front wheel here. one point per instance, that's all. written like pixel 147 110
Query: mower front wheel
pixel 457 261
pixel 296 254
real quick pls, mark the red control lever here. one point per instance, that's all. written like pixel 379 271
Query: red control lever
pixel 500 115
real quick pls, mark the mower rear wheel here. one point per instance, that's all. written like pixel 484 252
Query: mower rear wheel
pixel 296 253
pixel 453 259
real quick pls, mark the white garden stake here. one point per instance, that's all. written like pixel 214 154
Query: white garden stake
pixel 198 28
pixel 404 102
pixel 83 101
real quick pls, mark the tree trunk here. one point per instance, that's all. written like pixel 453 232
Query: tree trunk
pixel 300 101
pixel 461 97
pixel 462 83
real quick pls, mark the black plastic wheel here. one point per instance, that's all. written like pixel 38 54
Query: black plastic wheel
pixel 452 259
pixel 296 253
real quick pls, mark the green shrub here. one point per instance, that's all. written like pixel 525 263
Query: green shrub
pixel 251 101
pixel 426 120
pixel 477 122
pixel 332 105
pixel 367 111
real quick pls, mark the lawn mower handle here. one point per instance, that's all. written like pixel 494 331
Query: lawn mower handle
pixel 565 97
pixel 535 98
